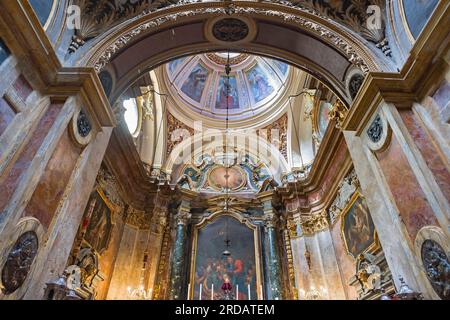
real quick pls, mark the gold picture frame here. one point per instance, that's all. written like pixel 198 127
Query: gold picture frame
pixel 369 245
pixel 257 247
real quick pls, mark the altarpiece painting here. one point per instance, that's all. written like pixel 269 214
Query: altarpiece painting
pixel 212 269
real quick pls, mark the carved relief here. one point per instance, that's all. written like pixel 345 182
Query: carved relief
pixel 346 189
pixel 333 38
pixel 338 113
pixel 83 124
pixel 314 223
pixel 355 84
pixel 139 219
pixel 353 14
pixel 19 261
pixel 279 127
pixel 230 30
pixel 177 132
pixel 437 267
pixel 110 188
pixel 375 131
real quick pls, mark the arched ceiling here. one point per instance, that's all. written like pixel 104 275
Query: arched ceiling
pixel 198 87
pixel 325 38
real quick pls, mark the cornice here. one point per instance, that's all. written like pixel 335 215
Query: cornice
pixel 413 82
pixel 23 33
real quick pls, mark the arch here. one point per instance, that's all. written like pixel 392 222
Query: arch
pixel 309 41
pixel 255 146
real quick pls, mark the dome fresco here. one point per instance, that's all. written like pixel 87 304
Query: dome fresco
pixel 199 83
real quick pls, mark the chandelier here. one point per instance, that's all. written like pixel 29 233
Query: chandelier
pixel 227 253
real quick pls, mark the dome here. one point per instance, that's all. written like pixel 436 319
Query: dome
pixel 198 85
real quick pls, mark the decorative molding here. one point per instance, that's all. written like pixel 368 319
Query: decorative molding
pixel 375 130
pixel 176 132
pixel 18 262
pixel 110 188
pixel 338 113
pixel 282 126
pixel 348 186
pixel 314 223
pixel 328 35
pixel 230 30
pixel 139 219
pixel 223 61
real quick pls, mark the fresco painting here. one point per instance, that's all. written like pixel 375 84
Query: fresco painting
pixel 233 96
pixel 194 85
pixel 260 85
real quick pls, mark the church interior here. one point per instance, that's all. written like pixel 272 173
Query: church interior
pixel 224 150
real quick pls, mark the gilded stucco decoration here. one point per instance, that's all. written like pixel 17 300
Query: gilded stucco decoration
pixel 354 56
pixel 110 188
pixel 139 219
pixel 209 175
pixel 280 126
pixel 348 186
pixel 312 224
pixel 177 132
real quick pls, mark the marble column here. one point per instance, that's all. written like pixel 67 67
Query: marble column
pixel 178 263
pixel 272 256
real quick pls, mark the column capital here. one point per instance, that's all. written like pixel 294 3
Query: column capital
pixel 183 215
pixel 270 218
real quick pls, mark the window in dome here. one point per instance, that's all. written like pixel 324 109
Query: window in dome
pixel 131 116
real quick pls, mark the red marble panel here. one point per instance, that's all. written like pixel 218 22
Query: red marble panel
pixel 412 203
pixel 12 179
pixel 52 185
pixel 7 114
pixel 23 87
pixel 428 150
pixel 347 265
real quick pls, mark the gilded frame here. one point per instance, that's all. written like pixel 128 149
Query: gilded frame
pixel 375 243
pixel 256 240
pixel 114 212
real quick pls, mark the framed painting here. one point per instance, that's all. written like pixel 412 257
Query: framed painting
pixel 357 228
pixel 211 269
pixel 98 223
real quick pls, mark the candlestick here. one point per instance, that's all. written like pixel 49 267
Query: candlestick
pixel 249 294
pixel 212 291
pixel 201 288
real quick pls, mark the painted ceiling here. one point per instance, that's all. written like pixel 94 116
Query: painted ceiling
pixel 199 83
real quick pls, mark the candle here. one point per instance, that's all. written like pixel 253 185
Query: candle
pixel 237 292
pixel 189 291
pixel 201 288
pixel 150 294
pixel 248 289
pixel 261 292
pixel 212 291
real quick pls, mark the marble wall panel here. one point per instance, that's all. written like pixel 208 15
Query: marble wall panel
pixel 411 201
pixel 426 146
pixel 347 266
pixel 11 180
pixel 52 185
pixel 7 114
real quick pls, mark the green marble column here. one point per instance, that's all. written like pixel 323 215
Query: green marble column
pixel 273 262
pixel 178 264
